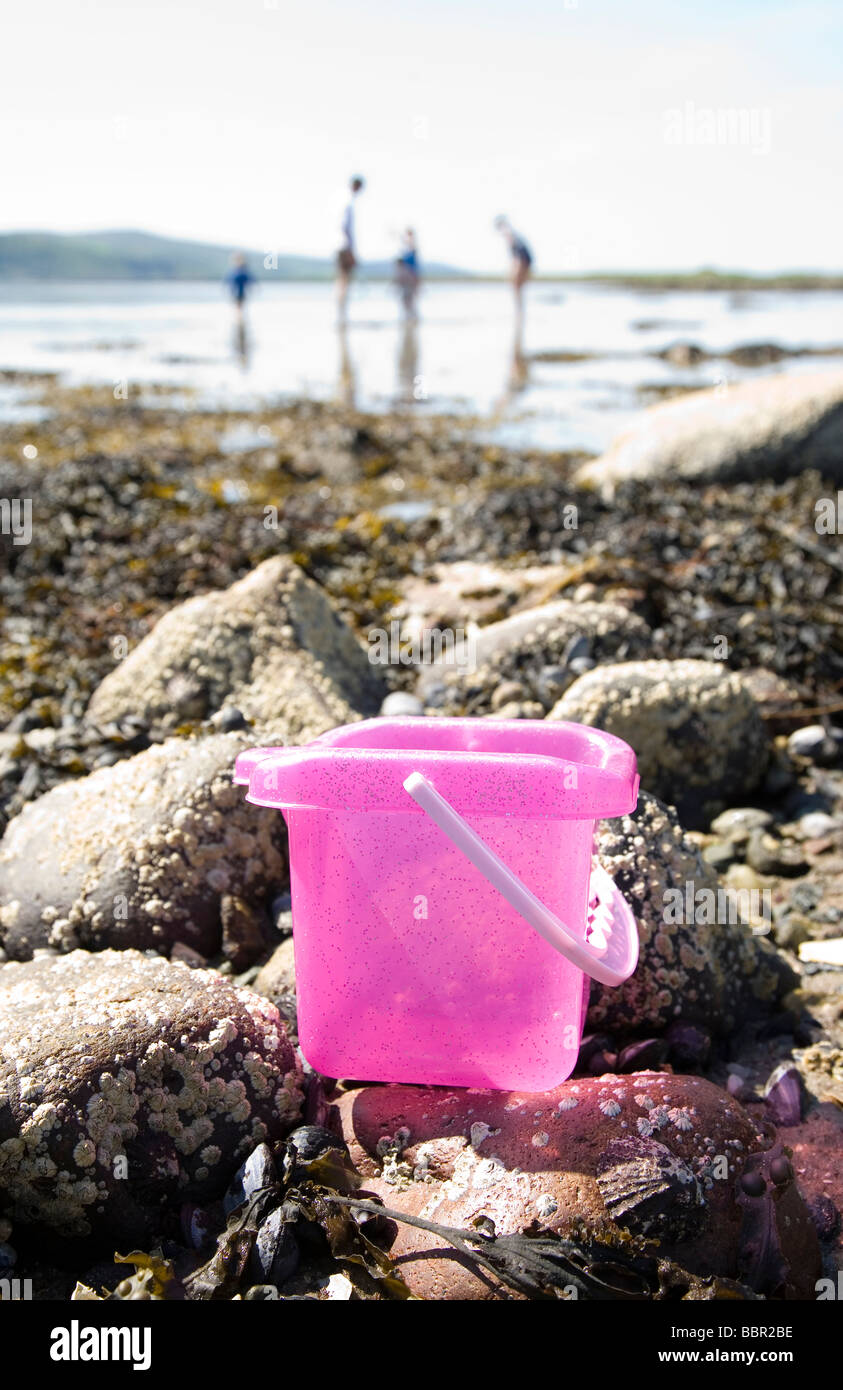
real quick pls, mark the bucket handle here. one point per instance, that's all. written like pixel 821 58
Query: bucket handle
pixel 610 954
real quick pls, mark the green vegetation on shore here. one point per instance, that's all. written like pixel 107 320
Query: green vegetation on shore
pixel 708 279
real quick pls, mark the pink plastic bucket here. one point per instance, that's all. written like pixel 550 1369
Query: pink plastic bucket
pixel 444 907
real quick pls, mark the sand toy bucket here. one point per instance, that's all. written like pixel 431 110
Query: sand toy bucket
pixel 445 912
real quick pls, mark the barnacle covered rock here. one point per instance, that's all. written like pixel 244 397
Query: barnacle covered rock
pixel 646 1161
pixel 128 1084
pixel 271 644
pixel 695 728
pixel 157 849
pixel 521 647
pixel 700 960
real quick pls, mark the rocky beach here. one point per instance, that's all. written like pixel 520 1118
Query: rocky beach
pixel 170 598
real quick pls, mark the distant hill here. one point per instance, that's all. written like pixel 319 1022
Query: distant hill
pixel 143 256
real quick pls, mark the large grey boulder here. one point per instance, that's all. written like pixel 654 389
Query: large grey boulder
pixel 156 849
pixel 695 727
pixel 774 426
pixel 271 645
pixel 129 1083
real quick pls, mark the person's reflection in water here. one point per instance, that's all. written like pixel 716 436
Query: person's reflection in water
pixel 410 383
pixel 347 384
pixel 518 364
pixel 518 375
pixel 242 343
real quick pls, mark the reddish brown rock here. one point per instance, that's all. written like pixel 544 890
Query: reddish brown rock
pixel 663 1153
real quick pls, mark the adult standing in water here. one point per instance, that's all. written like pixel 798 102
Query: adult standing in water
pixel 347 254
pixel 521 260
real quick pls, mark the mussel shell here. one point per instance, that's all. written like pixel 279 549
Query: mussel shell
pixel 258 1171
pixel 649 1191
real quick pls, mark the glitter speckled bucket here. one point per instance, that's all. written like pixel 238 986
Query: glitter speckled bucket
pixel 445 912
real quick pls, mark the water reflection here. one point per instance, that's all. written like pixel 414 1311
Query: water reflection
pixel 347 382
pixel 242 341
pixel 518 373
pixel 411 386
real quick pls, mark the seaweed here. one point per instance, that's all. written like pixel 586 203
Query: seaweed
pixel 317 1199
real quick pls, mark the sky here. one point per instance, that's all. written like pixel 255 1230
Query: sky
pixel 601 127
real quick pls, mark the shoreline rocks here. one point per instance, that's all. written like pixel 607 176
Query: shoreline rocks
pixel 769 427
pixel 695 727
pixel 159 848
pixel 699 960
pixel 271 646
pixel 129 1084
pixel 617 1159
pixel 538 649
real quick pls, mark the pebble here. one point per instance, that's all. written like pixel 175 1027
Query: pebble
pixel 827 952
pixel 813 742
pixel 400 704
pixel 736 824
pixel 767 855
pixel 507 693
pixel 815 824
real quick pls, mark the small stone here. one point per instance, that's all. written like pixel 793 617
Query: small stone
pixel 339 1288
pixel 735 825
pixel 720 854
pixel 276 980
pixel 507 692
pixel 815 824
pixel 742 876
pixel 753 1184
pixel 581 664
pixel 400 704
pixel 768 855
pixel 814 743
pixel 244 931
pixel 791 930
pixel 228 719
pixel 826 952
